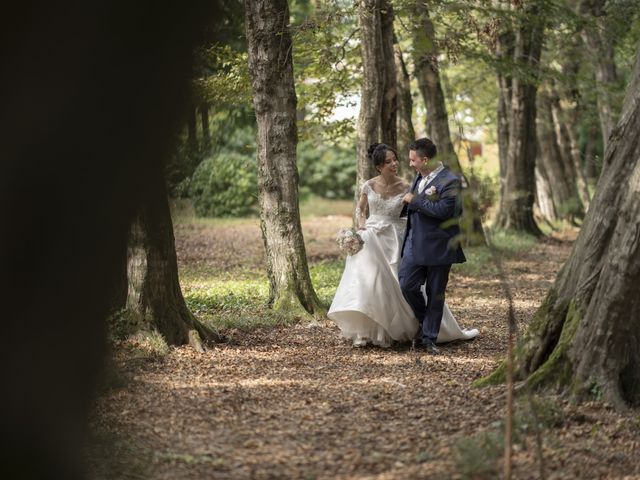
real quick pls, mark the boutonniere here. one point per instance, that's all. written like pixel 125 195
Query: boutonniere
pixel 431 193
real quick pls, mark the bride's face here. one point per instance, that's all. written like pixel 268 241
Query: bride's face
pixel 390 165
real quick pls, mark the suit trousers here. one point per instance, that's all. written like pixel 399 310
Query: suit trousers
pixel 435 278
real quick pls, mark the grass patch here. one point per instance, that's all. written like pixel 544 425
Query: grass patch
pixel 507 243
pixel 325 277
pixel 227 300
pixel 321 207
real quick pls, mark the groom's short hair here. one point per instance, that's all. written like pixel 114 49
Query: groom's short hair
pixel 424 147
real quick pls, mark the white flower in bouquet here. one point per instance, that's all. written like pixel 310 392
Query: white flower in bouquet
pixel 349 241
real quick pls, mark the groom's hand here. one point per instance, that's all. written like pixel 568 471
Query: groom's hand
pixel 408 198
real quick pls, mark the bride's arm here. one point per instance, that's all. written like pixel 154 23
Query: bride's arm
pixel 361 208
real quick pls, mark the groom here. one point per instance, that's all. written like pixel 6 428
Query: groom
pixel 432 239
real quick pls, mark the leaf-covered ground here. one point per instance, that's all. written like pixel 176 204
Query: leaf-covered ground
pixel 296 401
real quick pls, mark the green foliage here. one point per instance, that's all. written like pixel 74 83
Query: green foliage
pixel 325 277
pixel 327 66
pixel 224 185
pixel 224 82
pixel 326 171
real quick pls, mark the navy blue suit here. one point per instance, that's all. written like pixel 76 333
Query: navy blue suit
pixel 431 245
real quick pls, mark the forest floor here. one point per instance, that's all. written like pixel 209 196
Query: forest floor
pixel 293 400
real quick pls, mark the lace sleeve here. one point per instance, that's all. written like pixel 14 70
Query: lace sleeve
pixel 359 216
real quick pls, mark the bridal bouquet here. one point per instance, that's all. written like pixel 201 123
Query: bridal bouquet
pixel 349 241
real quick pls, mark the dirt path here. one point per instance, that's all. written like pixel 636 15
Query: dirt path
pixel 298 402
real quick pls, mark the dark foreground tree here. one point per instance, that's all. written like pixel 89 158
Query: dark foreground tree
pixel 154 297
pixel 274 100
pixel 585 338
pixel 68 191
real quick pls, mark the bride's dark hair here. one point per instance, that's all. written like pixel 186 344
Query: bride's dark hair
pixel 370 150
pixel 377 152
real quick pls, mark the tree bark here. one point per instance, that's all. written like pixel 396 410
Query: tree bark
pixel 427 72
pixel 389 111
pixel 585 337
pixel 504 53
pixel 204 119
pixel 544 199
pixel 406 131
pixel 555 164
pixel 372 92
pixel 192 126
pixel 274 100
pixel 600 47
pixel 429 82
pixel 516 202
pixel 154 297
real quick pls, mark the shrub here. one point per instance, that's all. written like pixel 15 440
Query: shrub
pixel 225 185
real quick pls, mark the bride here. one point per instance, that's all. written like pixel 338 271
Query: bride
pixel 369 306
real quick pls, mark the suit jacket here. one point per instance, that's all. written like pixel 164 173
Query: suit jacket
pixel 434 222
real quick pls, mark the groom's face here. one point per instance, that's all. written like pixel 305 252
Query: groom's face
pixel 416 161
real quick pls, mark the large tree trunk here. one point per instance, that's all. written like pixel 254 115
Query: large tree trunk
pixel 516 202
pixel 274 100
pixel 389 112
pixel 600 47
pixel 504 53
pixel 585 338
pixel 404 121
pixel 429 82
pixel 372 92
pixel 154 298
pixel 554 163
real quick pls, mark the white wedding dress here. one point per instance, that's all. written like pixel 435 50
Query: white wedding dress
pixel 369 306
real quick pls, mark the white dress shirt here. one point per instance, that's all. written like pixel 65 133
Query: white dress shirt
pixel 425 180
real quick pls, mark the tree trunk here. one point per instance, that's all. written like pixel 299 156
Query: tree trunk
pixel 274 100
pixel 192 126
pixel 154 297
pixel 555 164
pixel 429 82
pixel 590 167
pixel 204 118
pixel 569 117
pixel 389 112
pixel 427 72
pixel 516 202
pixel 544 199
pixel 504 53
pixel 372 92
pixel 406 132
pixel 585 337
pixel 600 47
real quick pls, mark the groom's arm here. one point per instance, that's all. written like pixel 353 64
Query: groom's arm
pixel 444 208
